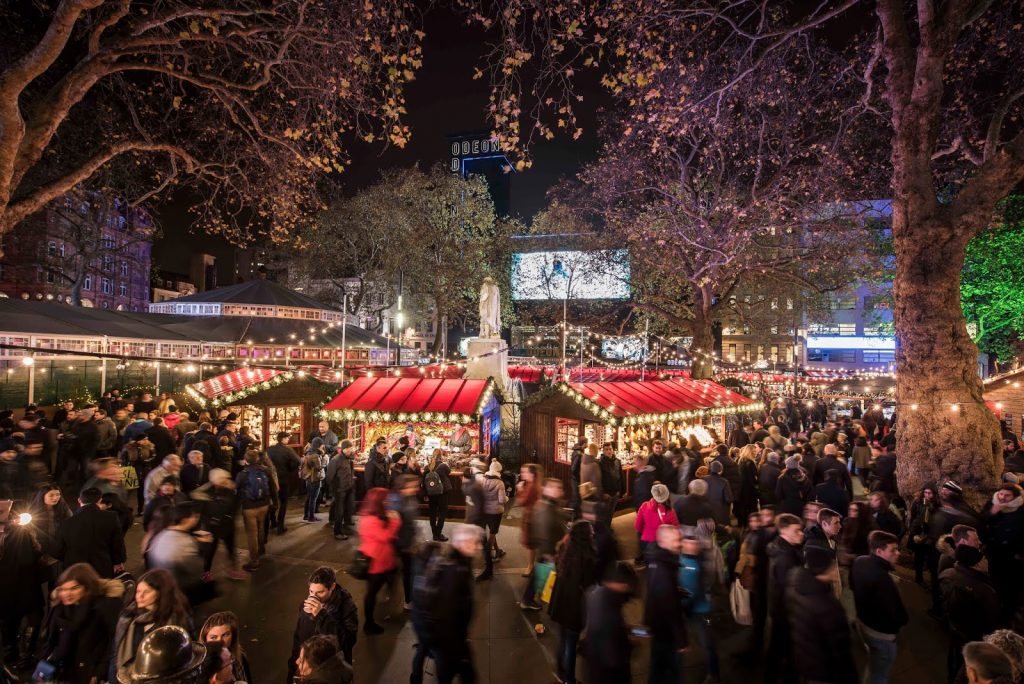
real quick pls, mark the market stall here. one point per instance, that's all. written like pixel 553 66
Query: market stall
pixel 269 401
pixel 629 414
pixel 460 417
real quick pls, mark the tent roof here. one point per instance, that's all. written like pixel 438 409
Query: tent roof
pixel 402 398
pixel 234 385
pixel 259 292
pixel 657 400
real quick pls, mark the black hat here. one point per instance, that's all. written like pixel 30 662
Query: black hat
pixel 166 655
pixel 818 559
pixel 171 479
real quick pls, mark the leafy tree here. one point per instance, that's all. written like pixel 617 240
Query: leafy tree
pixel 247 102
pixel 992 283
pixel 928 93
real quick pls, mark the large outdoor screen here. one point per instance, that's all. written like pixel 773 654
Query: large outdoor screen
pixel 599 274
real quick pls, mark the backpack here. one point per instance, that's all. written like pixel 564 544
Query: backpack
pixel 256 486
pixel 432 484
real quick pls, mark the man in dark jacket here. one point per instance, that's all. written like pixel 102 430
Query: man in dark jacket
pixel 694 507
pixel 92 536
pixel 327 609
pixel 785 552
pixel 830 461
pixel 880 610
pixel 442 605
pixel 286 463
pixel 608 646
pixel 730 469
pixel 340 478
pixel 832 494
pixel 161 438
pixel 195 473
pixel 820 633
pixel 767 478
pixel 219 503
pixel 883 472
pixel 885 519
pixel 720 493
pixel 84 446
pixel 739 437
pixel 793 488
pixel 546 528
pixel 970 603
pixel 663 607
pixel 376 472
pixel 611 481
pixel 474 494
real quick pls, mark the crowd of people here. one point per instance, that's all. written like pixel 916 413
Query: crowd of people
pixel 793 526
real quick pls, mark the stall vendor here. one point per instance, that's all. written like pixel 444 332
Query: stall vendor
pixel 461 441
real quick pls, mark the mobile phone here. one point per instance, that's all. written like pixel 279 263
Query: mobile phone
pixel 641 632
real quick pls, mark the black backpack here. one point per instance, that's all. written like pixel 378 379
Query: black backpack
pixel 433 484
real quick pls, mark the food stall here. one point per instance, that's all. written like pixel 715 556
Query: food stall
pixel 436 413
pixel 630 414
pixel 268 400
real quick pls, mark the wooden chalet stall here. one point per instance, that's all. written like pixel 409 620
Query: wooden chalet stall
pixel 433 410
pixel 630 414
pixel 270 401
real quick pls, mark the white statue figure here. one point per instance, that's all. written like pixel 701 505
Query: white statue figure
pixel 490 309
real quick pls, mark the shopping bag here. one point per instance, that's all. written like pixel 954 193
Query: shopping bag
pixel 541 571
pixel 130 477
pixel 545 595
pixel 739 601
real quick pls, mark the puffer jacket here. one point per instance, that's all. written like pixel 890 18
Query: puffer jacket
pixel 820 632
pixel 652 515
pixel 494 494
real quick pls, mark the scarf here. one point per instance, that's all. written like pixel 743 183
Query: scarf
pixel 144 620
pixel 1008 507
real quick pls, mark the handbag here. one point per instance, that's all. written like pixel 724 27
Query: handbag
pixel 549 585
pixel 739 601
pixel 360 566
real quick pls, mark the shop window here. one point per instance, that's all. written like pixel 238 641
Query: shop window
pixel 567 433
pixel 876 356
pixel 285 419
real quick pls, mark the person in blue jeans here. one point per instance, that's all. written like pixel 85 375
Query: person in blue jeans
pixel 880 610
pixel 313 474
pixel 697 578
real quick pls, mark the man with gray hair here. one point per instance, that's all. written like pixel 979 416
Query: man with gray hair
pixel 171 465
pixel 693 507
pixel 442 605
pixel 986 664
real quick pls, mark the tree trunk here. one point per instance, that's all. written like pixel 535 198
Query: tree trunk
pixel 936 366
pixel 701 362
pixel 438 334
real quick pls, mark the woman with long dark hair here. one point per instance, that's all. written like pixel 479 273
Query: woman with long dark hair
pixel 378 528
pixel 222 628
pixel 576 572
pixel 81 624
pixel 922 508
pixel 158 601
pixel 49 511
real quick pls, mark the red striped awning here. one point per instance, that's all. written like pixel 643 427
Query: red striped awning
pixel 658 400
pixel 391 398
pixel 233 382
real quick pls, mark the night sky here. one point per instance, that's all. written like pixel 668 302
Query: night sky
pixel 444 99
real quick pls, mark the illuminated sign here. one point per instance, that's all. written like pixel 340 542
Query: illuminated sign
pixel 471 148
pixel 851 342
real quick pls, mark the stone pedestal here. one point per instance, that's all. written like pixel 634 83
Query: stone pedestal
pixel 488 358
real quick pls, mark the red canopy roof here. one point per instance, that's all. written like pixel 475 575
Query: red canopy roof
pixel 393 398
pixel 234 381
pixel 638 402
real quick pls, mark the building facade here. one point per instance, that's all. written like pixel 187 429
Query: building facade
pixel 90 245
pixel 167 286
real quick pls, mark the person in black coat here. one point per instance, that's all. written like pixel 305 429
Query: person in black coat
pixel 880 609
pixel 377 465
pixel 820 632
pixel 607 657
pixel 605 544
pixel 767 478
pixel 739 437
pixel 785 552
pixel 746 501
pixel 1002 521
pixel 793 489
pixel 693 507
pixel 82 623
pixel 327 609
pixel 885 519
pixel 830 462
pixel 730 469
pixel 970 603
pixel 21 558
pixel 575 574
pixel 883 473
pixel 442 604
pixel 92 536
pixel 663 607
pixel 831 493
pixel 160 436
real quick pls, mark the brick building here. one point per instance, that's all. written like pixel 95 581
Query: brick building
pixel 90 243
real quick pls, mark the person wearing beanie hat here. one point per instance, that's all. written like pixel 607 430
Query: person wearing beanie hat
pixel 652 514
pixel 720 494
pixel 818 625
pixel 495 498
pixel 969 601
pixel 340 478
pixel 792 463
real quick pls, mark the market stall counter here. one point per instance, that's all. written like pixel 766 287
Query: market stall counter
pixel 460 417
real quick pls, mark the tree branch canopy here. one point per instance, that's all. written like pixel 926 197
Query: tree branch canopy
pixel 247 103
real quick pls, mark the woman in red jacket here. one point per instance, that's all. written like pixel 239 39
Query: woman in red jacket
pixel 378 528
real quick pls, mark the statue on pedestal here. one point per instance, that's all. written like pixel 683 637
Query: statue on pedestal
pixel 490 309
